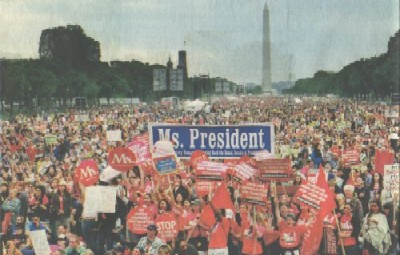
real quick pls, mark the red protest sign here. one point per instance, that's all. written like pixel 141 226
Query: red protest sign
pixel 205 187
pixel 138 219
pixel 121 159
pixel 275 170
pixel 141 148
pixel 198 156
pixel 87 172
pixel 243 171
pixel 254 193
pixel 248 160
pixel 351 157
pixel 212 171
pixel 167 226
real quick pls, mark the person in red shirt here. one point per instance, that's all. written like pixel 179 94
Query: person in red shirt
pixel 349 231
pixel 218 236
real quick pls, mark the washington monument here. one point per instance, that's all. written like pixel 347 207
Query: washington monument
pixel 266 56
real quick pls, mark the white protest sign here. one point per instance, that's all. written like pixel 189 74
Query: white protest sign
pixel 114 135
pixel 40 243
pixel 391 178
pixel 100 199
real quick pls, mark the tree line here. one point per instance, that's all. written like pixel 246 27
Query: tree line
pixel 377 77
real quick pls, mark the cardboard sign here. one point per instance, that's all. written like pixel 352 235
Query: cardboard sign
pixel 121 159
pixel 39 242
pixel 50 139
pixel 100 199
pixel 87 172
pixel 391 178
pixel 167 226
pixel 114 135
pixel 138 219
pixel 254 193
pixel 278 170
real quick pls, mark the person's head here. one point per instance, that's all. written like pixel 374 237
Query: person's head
pixel 73 242
pixel 347 209
pixel 348 191
pixel 164 250
pixel 177 180
pixel 182 244
pixel 151 231
pixel 186 204
pixel 62 185
pixel 36 217
pixel 179 198
pixel 13 193
pixel 3 187
pixel 290 219
pixel 375 207
pixel 163 205
pixel 61 229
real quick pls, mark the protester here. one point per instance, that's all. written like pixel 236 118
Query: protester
pixel 39 157
pixel 150 243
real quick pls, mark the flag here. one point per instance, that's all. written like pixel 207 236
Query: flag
pixel 207 216
pixel 222 200
pixel 312 237
pixel 329 204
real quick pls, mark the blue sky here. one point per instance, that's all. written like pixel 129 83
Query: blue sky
pixel 221 37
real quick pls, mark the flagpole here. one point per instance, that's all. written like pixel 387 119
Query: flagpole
pixel 337 223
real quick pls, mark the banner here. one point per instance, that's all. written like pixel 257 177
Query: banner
pixel 165 165
pixel 138 219
pixel 278 170
pixel 198 156
pixel 100 199
pixel 39 242
pixel 254 193
pixel 167 226
pixel 391 178
pixel 206 187
pixel 217 141
pixel 87 172
pixel 113 135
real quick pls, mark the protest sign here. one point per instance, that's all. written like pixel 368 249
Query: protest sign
pixel 210 171
pixel 167 226
pixel 39 241
pixel 138 219
pixel 87 172
pixel 254 193
pixel 50 139
pixel 100 199
pixel 141 151
pixel 121 159
pixel 351 157
pixel 391 178
pixel 382 158
pixel 114 135
pixel 165 165
pixel 216 141
pixel 198 156
pixel 206 187
pixel 244 171
pixel 275 170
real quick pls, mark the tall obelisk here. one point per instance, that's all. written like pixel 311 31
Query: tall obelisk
pixel 266 56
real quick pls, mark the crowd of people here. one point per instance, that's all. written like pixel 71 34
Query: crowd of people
pixel 40 191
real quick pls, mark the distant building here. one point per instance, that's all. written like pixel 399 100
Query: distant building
pixel 170 79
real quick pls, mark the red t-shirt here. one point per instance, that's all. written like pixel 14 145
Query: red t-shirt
pixel 290 236
pixel 219 235
pixel 347 227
